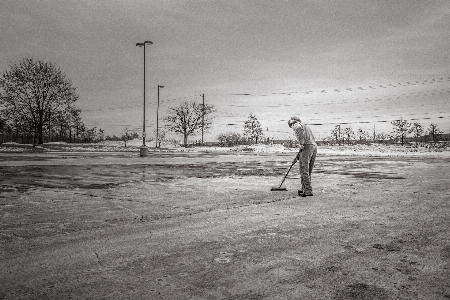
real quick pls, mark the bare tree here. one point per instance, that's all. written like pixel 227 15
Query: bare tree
pixel 380 137
pixel 78 125
pixel 101 135
pixel 161 136
pixel 35 90
pixel 435 132
pixel 90 135
pixel 363 135
pixel 336 133
pixel 401 129
pixel 189 118
pixel 252 129
pixel 125 137
pixel 349 134
pixel 417 131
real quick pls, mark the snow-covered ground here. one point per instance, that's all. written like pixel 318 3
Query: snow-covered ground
pixel 134 145
pixel 352 150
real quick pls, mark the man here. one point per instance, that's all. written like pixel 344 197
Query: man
pixel 306 155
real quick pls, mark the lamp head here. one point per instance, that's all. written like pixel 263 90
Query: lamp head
pixel 144 43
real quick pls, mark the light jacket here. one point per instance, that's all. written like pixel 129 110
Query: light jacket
pixel 304 135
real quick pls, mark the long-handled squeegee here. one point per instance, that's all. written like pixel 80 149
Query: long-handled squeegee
pixel 283 188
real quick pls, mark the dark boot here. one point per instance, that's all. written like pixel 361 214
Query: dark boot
pixel 306 194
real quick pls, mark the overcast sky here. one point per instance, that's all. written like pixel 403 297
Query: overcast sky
pixel 355 63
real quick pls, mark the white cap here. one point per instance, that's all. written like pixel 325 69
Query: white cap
pixel 294 120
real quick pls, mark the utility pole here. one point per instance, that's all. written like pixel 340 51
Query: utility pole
pixel 374 134
pixel 203 116
pixel 157 118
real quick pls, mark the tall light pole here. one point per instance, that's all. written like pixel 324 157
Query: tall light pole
pixel 144 148
pixel 157 117
pixel 203 115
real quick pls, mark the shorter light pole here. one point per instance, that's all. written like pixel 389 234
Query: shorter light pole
pixel 157 117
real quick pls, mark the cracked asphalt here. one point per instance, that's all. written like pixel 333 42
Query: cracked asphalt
pixel 206 226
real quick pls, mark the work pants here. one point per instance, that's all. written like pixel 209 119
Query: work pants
pixel 307 159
